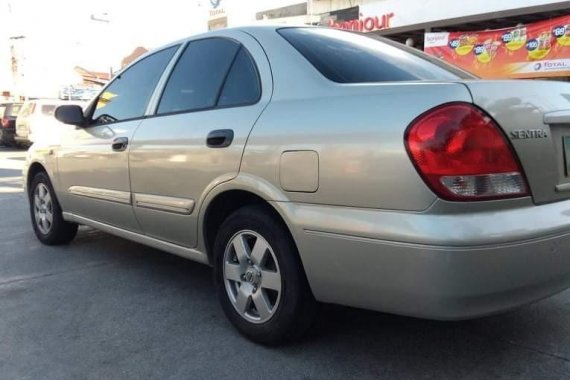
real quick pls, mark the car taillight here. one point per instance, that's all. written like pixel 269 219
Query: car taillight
pixel 5 122
pixel 462 155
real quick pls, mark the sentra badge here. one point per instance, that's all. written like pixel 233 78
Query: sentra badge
pixel 524 134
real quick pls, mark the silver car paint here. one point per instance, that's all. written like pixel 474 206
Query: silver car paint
pixel 372 234
pixel 85 159
pixel 169 155
pixel 522 106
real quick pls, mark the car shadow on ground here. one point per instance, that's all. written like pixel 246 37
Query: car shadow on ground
pixel 528 341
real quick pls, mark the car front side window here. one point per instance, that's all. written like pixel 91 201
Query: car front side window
pixel 128 95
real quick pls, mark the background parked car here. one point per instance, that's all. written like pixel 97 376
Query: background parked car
pixel 8 114
pixel 36 119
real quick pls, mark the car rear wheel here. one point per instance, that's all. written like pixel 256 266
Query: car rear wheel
pixel 45 211
pixel 259 278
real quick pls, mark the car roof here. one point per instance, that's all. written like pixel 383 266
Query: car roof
pixel 227 31
pixel 239 29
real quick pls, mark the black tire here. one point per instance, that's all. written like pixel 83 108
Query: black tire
pixel 296 308
pixel 59 231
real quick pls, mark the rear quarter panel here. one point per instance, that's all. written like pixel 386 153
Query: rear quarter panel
pixel 357 132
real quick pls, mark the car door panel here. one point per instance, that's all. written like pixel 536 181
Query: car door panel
pixel 93 160
pixel 94 179
pixel 170 157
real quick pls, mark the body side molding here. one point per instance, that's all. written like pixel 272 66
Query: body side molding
pixel 103 194
pixel 178 250
pixel 161 203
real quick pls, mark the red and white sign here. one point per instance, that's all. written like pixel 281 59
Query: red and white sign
pixel 540 49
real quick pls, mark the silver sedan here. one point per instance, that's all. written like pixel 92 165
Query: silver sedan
pixel 309 164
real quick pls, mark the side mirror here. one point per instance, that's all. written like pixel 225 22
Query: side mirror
pixel 70 114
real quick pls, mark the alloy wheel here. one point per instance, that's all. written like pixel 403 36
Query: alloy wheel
pixel 252 277
pixel 43 208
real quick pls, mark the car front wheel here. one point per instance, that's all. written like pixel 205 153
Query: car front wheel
pixel 46 215
pixel 259 277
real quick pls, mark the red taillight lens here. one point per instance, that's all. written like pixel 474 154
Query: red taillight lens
pixel 462 155
pixel 5 122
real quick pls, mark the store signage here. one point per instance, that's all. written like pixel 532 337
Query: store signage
pixel 217 10
pixel 540 49
pixel 364 24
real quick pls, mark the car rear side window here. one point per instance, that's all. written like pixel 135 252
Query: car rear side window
pixel 128 95
pixel 242 83
pixel 198 75
pixel 346 57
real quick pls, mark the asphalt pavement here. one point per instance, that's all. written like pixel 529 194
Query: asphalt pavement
pixel 107 308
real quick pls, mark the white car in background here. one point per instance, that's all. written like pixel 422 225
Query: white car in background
pixel 36 120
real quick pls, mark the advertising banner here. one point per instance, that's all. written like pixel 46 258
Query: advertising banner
pixel 535 50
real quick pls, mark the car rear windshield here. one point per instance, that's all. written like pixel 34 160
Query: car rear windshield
pixel 347 57
pixel 13 111
pixel 48 109
pixel 9 110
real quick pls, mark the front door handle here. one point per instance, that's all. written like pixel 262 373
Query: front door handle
pixel 120 144
pixel 220 138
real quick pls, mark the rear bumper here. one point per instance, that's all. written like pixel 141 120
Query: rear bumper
pixel 466 270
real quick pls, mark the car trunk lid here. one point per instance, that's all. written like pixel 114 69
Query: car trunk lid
pixel 535 117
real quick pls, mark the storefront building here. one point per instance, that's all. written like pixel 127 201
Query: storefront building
pixel 217 16
pixel 434 26
pixel 475 35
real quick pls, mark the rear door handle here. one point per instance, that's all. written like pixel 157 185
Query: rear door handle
pixel 220 138
pixel 120 144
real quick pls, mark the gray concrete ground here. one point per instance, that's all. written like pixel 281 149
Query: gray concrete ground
pixel 107 308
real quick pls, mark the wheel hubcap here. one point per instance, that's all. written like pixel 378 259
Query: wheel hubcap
pixel 252 277
pixel 43 209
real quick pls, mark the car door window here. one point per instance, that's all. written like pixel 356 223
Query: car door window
pixel 198 75
pixel 242 84
pixel 128 95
